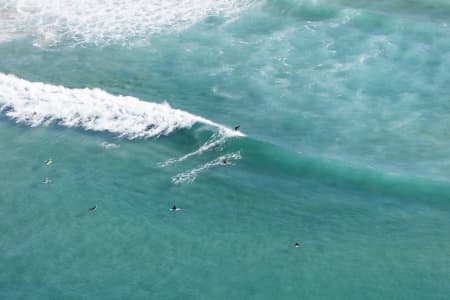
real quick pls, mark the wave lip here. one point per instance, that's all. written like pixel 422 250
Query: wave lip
pixel 36 103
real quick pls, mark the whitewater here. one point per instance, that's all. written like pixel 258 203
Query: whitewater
pixel 104 22
pixel 92 109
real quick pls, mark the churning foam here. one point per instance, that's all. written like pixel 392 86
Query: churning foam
pixel 36 103
pixel 105 22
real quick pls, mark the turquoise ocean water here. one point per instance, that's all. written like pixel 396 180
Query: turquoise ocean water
pixel 344 147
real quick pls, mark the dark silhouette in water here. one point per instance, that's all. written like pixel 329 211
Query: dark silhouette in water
pixel 236 128
pixel 94 208
pixel 297 244
pixel 174 208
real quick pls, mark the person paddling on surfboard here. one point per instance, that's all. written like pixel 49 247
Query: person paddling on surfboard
pixel 174 208
pixel 297 244
pixel 94 208
pixel 236 128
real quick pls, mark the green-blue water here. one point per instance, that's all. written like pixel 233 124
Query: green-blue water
pixel 346 115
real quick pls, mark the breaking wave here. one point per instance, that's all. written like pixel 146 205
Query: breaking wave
pixel 41 104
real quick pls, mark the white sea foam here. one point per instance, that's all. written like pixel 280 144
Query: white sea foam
pixel 36 103
pixel 215 141
pixel 189 176
pixel 104 22
pixel 106 145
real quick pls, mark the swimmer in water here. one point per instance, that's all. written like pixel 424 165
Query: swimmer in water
pixel 174 208
pixel 224 162
pixel 236 128
pixel 297 244
pixel 48 162
pixel 46 180
pixel 94 208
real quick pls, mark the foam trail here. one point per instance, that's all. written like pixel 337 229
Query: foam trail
pixel 35 104
pixel 103 22
pixel 214 141
pixel 189 176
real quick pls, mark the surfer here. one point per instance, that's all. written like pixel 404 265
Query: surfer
pixel 297 244
pixel 48 162
pixel 175 208
pixel 94 208
pixel 224 162
pixel 236 128
pixel 46 180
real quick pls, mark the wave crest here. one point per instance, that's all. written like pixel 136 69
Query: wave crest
pixel 36 103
